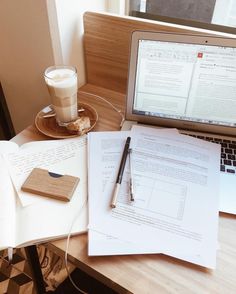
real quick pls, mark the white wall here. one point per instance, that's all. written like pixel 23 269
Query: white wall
pixel 70 23
pixel 120 7
pixel 35 35
pixel 25 52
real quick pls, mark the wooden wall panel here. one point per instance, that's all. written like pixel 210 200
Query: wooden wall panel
pixel 107 43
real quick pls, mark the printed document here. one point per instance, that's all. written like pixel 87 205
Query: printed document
pixel 104 150
pixel 176 194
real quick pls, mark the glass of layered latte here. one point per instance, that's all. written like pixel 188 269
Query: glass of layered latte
pixel 62 85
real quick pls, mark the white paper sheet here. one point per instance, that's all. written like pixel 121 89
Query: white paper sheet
pixel 175 196
pixel 104 153
pixel 7 199
pixel 225 13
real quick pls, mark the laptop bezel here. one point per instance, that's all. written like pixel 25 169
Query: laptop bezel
pixel 179 38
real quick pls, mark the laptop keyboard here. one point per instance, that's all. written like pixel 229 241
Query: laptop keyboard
pixel 228 153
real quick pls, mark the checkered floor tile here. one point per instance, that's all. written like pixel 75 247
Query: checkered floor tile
pixel 16 278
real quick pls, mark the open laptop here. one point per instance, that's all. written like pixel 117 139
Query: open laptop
pixel 187 82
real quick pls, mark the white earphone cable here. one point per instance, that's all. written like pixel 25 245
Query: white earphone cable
pixel 108 102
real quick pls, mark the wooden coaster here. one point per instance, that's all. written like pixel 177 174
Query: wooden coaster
pixel 49 127
pixel 51 185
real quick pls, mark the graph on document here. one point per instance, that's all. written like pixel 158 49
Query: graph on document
pixel 161 197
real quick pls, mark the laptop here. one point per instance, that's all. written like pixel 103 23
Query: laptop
pixel 187 82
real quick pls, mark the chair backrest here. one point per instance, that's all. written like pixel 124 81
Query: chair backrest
pixel 107 43
pixel 6 127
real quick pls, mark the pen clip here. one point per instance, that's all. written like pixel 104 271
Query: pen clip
pixel 131 186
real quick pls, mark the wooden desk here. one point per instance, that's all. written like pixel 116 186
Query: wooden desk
pixel 146 273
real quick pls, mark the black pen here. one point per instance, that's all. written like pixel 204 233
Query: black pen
pixel 120 173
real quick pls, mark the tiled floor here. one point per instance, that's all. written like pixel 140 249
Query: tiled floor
pixel 17 279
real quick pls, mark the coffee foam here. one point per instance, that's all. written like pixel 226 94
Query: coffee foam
pixel 63 82
pixel 61 78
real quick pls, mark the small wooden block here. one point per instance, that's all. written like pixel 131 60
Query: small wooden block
pixel 52 185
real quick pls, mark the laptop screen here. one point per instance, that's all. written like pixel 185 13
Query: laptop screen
pixel 183 81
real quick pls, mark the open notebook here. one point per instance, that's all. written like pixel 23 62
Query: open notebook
pixel 187 82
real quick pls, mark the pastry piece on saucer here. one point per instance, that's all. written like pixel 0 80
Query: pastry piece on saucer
pixel 79 126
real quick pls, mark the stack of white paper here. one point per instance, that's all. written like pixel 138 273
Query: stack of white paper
pixel 175 211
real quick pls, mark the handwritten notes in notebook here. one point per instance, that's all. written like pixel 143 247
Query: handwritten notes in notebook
pixel 58 156
pixel 42 218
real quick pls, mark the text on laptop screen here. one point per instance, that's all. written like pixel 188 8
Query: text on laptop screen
pixel 190 82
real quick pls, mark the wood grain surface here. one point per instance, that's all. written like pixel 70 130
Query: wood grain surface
pixel 153 273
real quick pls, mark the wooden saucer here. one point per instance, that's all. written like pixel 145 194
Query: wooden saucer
pixel 50 128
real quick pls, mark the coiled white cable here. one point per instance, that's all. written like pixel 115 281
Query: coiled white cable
pixel 108 102
pixel 83 206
